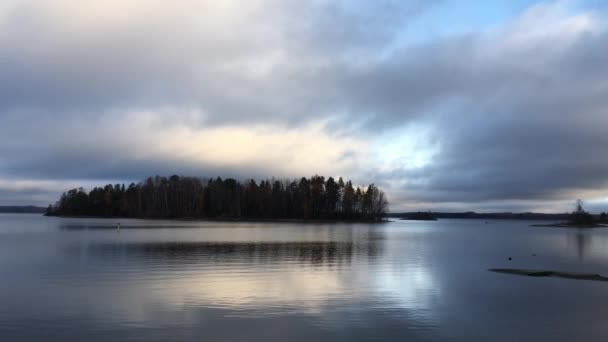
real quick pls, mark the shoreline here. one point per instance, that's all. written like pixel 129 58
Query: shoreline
pixel 571 225
pixel 417 219
pixel 244 220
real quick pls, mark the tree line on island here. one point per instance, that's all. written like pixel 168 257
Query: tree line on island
pixel 314 198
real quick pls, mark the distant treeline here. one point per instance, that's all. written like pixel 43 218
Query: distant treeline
pixel 26 209
pixel 474 215
pixel 191 197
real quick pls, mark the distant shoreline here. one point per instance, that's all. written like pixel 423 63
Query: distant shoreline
pixel 21 209
pixel 525 216
pixel 571 225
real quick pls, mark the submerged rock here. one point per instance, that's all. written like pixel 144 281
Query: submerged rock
pixel 550 273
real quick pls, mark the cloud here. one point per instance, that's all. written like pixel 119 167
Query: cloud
pixel 504 117
pixel 131 145
pixel 518 112
pixel 236 61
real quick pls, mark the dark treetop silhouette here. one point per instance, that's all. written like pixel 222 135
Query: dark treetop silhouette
pixel 190 197
pixel 580 216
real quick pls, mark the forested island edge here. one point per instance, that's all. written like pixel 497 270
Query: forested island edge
pixel 180 197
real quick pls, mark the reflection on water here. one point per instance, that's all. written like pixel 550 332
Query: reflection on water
pixel 75 279
pixel 320 252
pixel 582 242
pixel 263 277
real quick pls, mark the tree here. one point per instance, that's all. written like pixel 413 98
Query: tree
pixel 332 195
pixel 375 203
pixel 303 199
pixel 348 200
pixel 579 216
pixel 317 194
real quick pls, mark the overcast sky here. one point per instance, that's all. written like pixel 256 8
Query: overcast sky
pixel 446 105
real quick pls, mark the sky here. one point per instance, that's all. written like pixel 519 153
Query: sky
pixel 446 105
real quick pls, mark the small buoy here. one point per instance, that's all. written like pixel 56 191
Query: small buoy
pixel 510 258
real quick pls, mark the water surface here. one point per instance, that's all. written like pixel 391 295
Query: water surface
pixel 81 279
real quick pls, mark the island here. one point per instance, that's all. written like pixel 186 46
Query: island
pixel 184 197
pixel 580 218
pixel 419 216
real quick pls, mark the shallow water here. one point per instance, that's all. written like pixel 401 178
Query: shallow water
pixel 81 279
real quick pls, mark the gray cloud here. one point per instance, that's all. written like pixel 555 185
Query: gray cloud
pixel 517 112
pixel 260 60
pixel 524 121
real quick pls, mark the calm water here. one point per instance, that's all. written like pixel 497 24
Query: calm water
pixel 80 279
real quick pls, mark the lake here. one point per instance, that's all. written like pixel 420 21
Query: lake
pixel 84 280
